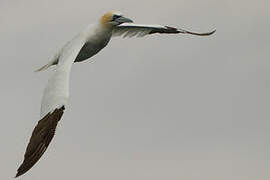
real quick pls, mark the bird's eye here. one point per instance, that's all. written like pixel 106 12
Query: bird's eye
pixel 115 17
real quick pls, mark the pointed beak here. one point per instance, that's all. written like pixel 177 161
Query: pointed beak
pixel 124 20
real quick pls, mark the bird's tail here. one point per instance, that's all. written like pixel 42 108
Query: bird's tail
pixel 46 66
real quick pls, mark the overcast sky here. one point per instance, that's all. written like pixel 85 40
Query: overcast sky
pixel 154 108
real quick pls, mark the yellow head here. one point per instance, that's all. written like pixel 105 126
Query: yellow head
pixel 113 18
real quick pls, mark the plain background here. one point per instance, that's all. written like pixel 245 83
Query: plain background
pixel 159 107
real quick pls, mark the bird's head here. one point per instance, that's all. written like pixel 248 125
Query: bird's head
pixel 114 18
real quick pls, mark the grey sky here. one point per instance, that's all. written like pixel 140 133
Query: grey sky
pixel 159 107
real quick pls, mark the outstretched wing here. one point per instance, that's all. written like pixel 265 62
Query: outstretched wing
pixel 140 30
pixel 53 104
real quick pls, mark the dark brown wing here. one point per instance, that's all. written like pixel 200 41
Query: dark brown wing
pixel 40 140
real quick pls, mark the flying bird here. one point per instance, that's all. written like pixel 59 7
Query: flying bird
pixel 83 46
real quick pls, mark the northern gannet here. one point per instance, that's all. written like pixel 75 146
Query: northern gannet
pixel 83 46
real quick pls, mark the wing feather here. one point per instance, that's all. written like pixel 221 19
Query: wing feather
pixel 40 140
pixel 52 107
pixel 140 30
pixel 56 92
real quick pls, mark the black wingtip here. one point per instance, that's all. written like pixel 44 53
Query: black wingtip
pixel 40 140
pixel 196 33
pixel 212 32
pixel 201 34
pixel 19 172
pixel 17 175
